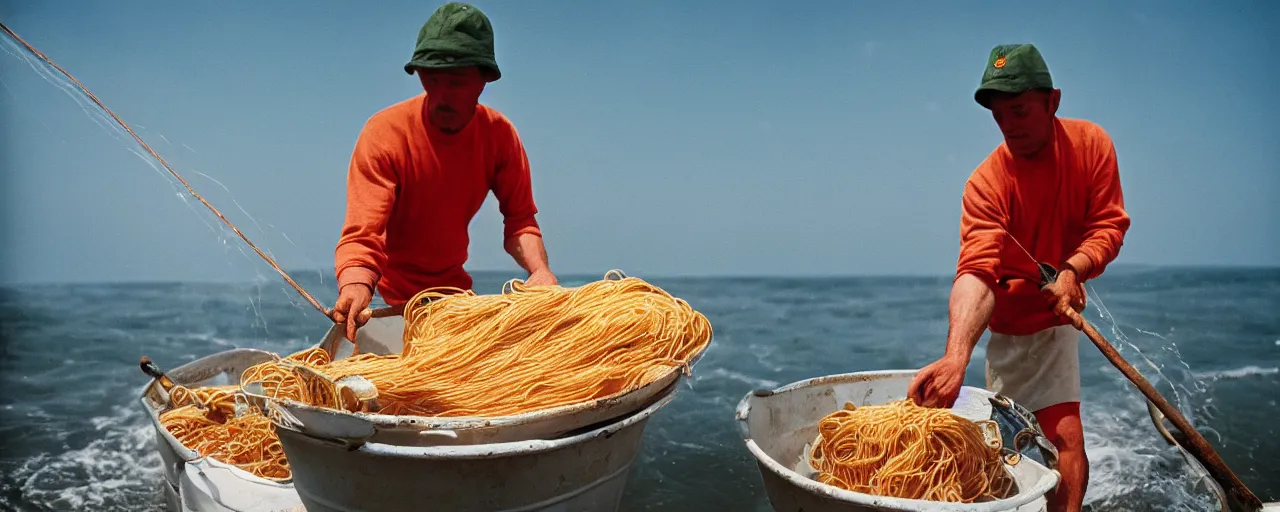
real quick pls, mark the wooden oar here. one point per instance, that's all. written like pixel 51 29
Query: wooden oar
pixel 1196 444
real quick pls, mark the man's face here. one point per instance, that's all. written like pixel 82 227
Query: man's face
pixel 452 96
pixel 1026 119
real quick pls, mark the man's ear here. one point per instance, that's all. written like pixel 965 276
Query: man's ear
pixel 1055 98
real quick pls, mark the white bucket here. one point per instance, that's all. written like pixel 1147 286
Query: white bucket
pixel 777 424
pixel 584 472
pixel 199 484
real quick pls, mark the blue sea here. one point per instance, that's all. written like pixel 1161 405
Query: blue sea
pixel 75 438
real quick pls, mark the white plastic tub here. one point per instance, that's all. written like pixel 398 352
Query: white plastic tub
pixel 198 484
pixel 777 424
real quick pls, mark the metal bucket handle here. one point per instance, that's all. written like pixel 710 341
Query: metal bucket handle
pixel 1028 432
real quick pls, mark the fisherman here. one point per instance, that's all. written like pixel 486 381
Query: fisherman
pixel 422 167
pixel 1053 188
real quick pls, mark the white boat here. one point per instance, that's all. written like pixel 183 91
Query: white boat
pixel 603 435
pixel 778 424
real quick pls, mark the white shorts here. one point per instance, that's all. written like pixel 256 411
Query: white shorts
pixel 1037 370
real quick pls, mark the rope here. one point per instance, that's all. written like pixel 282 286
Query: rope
pixel 314 303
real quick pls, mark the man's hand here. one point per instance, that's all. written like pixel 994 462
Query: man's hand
pixel 352 308
pixel 938 385
pixel 1065 293
pixel 541 278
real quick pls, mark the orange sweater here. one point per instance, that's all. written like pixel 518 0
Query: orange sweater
pixel 412 190
pixel 1066 207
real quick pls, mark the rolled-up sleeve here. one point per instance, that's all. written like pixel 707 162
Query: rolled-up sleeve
pixel 513 187
pixel 982 235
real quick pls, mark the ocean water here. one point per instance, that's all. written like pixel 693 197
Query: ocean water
pixel 74 437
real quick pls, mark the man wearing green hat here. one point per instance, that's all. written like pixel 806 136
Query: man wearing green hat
pixel 420 171
pixel 1052 190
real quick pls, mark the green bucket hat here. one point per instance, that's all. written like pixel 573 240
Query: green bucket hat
pixel 1013 68
pixel 456 35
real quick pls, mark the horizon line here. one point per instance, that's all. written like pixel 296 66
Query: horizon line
pixel 650 277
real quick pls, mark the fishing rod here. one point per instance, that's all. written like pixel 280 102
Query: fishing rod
pixel 1199 446
pixel 301 291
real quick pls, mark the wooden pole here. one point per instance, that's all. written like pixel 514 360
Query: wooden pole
pixel 327 312
pixel 270 261
pixel 1197 445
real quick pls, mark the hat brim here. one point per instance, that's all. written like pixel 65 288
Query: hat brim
pixel 493 74
pixel 983 94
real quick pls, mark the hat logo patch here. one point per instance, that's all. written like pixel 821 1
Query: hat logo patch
pixel 999 62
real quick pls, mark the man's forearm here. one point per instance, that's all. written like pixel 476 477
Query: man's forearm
pixel 528 251
pixel 969 312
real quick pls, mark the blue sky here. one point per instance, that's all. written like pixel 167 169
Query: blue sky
pixel 672 138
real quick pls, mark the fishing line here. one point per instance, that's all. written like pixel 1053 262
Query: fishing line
pixel 1183 399
pixel 1049 274
pixel 311 299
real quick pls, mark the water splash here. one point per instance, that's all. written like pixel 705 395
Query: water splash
pixel 1122 441
pixel 1183 397
pixel 113 472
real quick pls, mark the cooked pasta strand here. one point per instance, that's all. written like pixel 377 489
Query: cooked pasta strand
pixel 903 450
pixel 528 349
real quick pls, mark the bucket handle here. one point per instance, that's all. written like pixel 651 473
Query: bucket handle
pixel 1029 432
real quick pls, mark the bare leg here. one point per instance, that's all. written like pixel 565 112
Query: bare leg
pixel 1061 424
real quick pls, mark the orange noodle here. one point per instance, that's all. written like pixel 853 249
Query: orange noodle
pixel 904 450
pixel 204 419
pixel 528 349
pixel 248 441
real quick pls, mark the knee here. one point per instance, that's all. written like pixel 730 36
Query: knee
pixel 1062 426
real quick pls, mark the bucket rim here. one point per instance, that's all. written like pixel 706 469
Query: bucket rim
pixel 500 449
pixel 744 406
pixel 1045 484
pixel 188 455
pixel 1041 487
pixel 669 378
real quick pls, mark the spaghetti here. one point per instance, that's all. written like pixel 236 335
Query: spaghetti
pixel 248 441
pixel 204 419
pixel 528 349
pixel 903 450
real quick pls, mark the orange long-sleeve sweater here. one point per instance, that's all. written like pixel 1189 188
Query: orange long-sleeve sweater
pixel 1066 208
pixel 412 190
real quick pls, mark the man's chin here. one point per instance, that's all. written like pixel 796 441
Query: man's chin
pixel 450 123
pixel 1022 150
